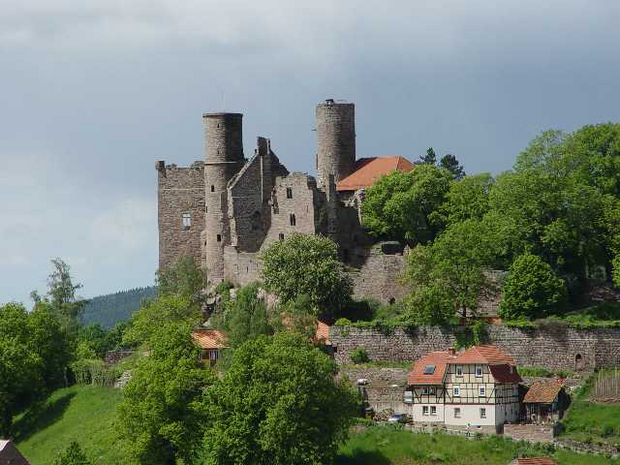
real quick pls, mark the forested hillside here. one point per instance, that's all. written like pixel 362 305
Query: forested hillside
pixel 108 310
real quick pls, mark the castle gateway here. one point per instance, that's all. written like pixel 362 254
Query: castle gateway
pixel 224 210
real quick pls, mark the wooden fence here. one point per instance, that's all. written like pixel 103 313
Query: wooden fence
pixel 607 386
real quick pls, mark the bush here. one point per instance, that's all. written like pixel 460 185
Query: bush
pixel 359 355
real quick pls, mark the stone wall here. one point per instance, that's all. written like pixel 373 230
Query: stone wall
pixel 380 276
pixel 180 191
pixel 559 349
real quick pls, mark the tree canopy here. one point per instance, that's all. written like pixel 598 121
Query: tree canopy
pixel 404 206
pixel 308 265
pixel 279 403
pixel 162 412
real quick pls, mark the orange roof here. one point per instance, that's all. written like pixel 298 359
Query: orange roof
pixel 367 170
pixel 535 461
pixel 322 332
pixel 505 373
pixel 209 339
pixel 490 355
pixel 436 360
pixel 542 392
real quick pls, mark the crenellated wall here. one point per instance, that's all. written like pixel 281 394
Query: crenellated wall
pixel 554 349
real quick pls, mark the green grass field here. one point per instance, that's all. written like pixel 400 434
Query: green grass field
pixel 379 445
pixel 84 414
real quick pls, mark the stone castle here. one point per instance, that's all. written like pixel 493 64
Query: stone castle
pixel 224 210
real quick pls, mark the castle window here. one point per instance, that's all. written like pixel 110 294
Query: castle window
pixel 219 238
pixel 281 236
pixel 289 192
pixel 212 188
pixel 293 220
pixel 187 220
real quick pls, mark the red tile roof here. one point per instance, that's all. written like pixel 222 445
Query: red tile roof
pixel 367 170
pixel 209 339
pixel 542 392
pixel 322 332
pixel 490 355
pixel 534 461
pixel 505 373
pixel 438 360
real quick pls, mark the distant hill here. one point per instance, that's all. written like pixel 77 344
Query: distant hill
pixel 110 309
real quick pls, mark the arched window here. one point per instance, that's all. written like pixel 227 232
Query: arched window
pixel 579 363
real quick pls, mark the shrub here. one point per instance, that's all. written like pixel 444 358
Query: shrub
pixel 359 355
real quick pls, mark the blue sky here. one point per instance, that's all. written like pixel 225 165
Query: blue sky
pixel 93 93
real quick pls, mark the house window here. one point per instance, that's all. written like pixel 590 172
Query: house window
pixel 212 188
pixel 424 390
pixel 431 390
pixel 482 391
pixel 219 238
pixel 457 413
pixel 425 410
pixel 433 410
pixel 281 236
pixel 292 219
pixel 483 413
pixel 478 371
pixel 187 220
pixel 456 390
pixel 459 371
pixel 289 192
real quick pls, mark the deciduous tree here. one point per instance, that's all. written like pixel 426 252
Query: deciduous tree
pixel 279 403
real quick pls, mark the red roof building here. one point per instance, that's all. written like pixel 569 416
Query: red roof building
pixel 366 171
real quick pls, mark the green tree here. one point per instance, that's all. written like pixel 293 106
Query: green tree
pixel 450 163
pixel 96 338
pixel 532 290
pixel 73 455
pixel 48 340
pixel 161 412
pixel 448 276
pixel 300 316
pixel 159 312
pixel 279 403
pixel 403 206
pixel 308 265
pixel 246 316
pixel 430 158
pixel 183 278
pixel 467 199
pixel 64 302
pixel 20 366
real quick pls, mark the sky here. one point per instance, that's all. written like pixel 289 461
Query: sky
pixel 93 93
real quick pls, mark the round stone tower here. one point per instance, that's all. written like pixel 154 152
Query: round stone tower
pixel 224 158
pixel 335 129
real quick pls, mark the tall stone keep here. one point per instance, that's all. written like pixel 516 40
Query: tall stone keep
pixel 224 159
pixel 335 129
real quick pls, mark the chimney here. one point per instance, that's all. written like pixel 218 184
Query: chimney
pixel 452 351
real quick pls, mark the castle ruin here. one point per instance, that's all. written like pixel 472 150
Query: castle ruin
pixel 224 210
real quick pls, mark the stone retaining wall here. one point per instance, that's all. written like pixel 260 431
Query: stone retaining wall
pixel 554 348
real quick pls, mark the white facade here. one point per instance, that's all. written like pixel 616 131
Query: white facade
pixel 468 397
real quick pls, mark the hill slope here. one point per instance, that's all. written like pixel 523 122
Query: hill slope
pixel 110 309
pixel 85 414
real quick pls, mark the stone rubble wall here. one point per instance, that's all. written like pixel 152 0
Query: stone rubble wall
pixel 553 349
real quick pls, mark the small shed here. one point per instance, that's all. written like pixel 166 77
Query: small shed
pixel 211 342
pixel 545 401
pixel 9 455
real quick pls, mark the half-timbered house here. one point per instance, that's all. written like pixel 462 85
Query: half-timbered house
pixel 476 390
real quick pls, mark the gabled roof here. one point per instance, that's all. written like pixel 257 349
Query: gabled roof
pixel 505 373
pixel 437 360
pixel 534 461
pixel 367 170
pixel 209 339
pixel 542 392
pixel 487 354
